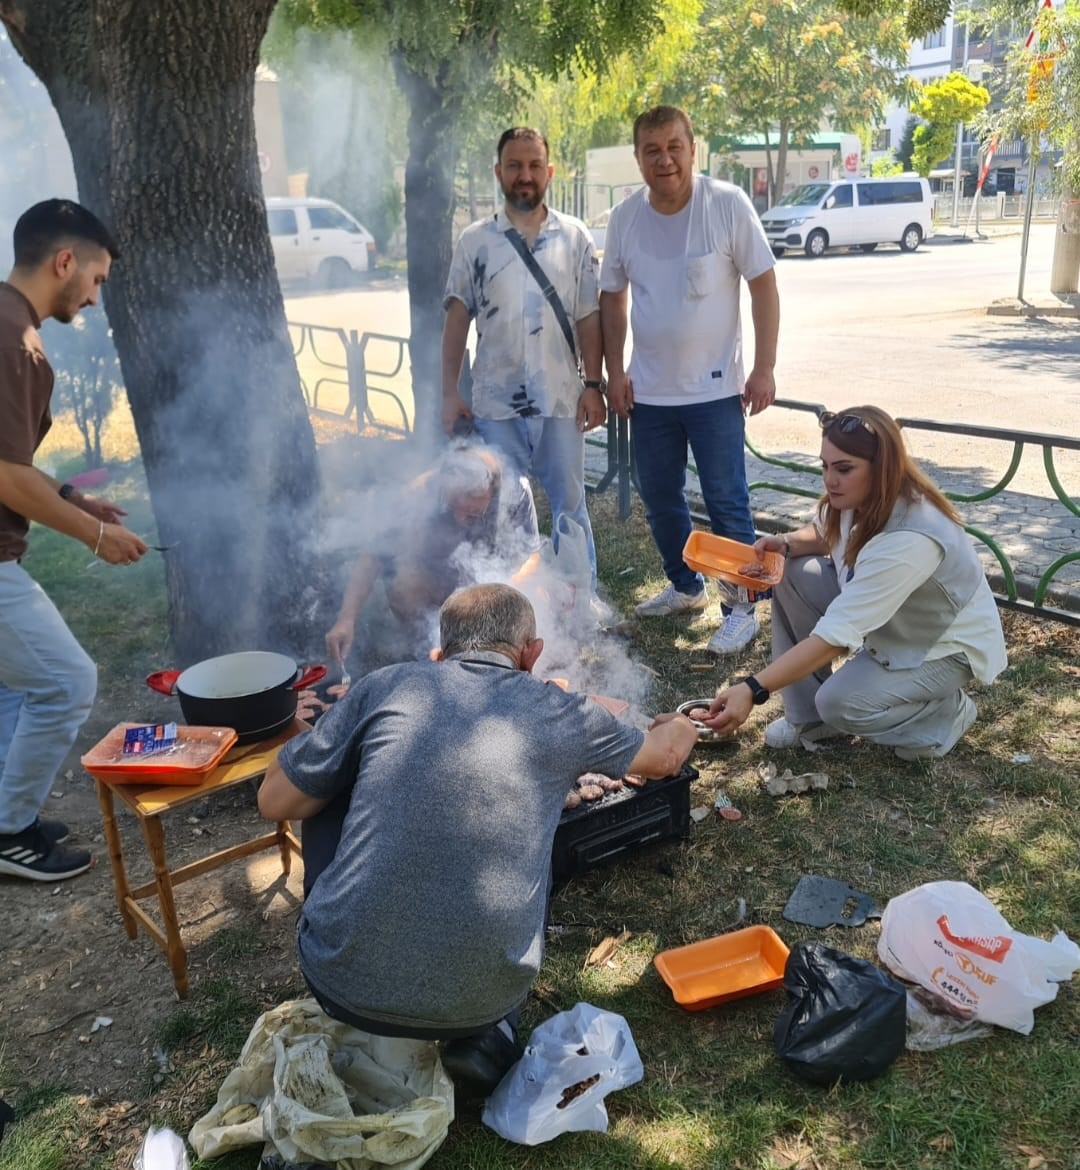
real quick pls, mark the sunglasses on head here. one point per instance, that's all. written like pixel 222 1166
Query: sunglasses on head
pixel 846 424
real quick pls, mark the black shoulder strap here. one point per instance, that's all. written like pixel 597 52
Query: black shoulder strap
pixel 546 287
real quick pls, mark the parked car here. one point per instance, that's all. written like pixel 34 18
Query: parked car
pixel 318 241
pixel 853 213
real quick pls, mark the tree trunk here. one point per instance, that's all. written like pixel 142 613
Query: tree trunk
pixel 157 104
pixel 1065 267
pixel 783 137
pixel 434 113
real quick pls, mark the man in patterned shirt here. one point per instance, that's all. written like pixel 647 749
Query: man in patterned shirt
pixel 536 379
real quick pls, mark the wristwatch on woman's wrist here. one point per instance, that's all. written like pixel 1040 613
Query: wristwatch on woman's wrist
pixel 759 693
pixel 590 384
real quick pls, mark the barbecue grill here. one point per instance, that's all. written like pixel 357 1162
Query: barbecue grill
pixel 597 832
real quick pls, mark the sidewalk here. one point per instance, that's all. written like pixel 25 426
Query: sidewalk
pixel 1040 304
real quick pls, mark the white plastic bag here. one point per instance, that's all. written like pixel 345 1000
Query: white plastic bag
pixel 572 563
pixel 162 1150
pixel 570 1065
pixel 950 939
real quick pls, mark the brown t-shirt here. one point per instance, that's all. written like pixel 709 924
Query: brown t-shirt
pixel 26 385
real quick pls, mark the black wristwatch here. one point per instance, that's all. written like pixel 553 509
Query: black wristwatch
pixel 67 490
pixel 592 385
pixel 761 695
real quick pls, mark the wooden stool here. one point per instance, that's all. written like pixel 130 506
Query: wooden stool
pixel 148 802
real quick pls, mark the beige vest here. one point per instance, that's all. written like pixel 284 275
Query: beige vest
pixel 903 642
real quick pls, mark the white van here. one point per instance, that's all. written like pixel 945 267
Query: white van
pixel 315 239
pixel 852 213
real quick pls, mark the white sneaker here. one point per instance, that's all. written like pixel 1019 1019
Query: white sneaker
pixel 781 734
pixel 671 600
pixel 740 628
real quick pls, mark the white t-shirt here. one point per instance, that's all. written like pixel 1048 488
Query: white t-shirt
pixel 523 367
pixel 891 567
pixel 684 271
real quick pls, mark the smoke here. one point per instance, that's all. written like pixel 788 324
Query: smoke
pixel 405 525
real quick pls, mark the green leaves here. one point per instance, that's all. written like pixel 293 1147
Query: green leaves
pixel 943 105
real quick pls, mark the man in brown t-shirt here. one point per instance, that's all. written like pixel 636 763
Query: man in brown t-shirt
pixel 47 682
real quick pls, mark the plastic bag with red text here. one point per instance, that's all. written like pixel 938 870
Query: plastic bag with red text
pixel 952 940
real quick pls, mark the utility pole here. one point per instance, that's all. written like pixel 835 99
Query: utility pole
pixel 957 180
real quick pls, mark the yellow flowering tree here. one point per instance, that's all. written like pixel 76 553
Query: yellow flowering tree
pixel 783 68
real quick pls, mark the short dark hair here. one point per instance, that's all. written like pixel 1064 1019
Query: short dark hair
pixel 44 228
pixel 521 132
pixel 662 116
pixel 485 617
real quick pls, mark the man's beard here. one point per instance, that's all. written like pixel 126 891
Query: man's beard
pixel 68 307
pixel 522 201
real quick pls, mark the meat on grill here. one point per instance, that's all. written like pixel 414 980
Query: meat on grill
pixel 592 786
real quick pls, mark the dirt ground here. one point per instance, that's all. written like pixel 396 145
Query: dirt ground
pixel 67 960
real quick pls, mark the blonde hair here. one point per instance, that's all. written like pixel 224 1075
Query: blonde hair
pixel 894 475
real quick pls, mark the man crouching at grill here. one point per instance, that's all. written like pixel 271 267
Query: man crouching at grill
pixel 430 796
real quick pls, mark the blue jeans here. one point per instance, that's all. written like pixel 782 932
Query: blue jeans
pixel 552 449
pixel 714 432
pixel 47 686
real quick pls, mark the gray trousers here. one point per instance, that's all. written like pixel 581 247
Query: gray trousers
pixel 924 709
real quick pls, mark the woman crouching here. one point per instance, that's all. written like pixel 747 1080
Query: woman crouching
pixel 885 570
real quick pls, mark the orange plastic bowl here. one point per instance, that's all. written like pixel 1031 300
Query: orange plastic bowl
pixel 727 967
pixel 716 556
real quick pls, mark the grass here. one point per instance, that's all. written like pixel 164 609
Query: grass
pixel 714 1095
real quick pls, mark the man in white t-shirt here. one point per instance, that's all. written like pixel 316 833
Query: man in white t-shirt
pixel 529 400
pixel 683 243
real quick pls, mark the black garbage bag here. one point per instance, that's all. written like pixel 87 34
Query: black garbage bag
pixel 7 1114
pixel 845 1017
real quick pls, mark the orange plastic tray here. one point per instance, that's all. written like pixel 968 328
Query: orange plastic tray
pixel 716 556
pixel 727 967
pixel 198 752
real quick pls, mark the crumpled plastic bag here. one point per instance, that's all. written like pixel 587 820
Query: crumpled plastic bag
pixel 571 1063
pixel 845 1018
pixel 932 1023
pixel 952 940
pixel 317 1090
pixel 162 1150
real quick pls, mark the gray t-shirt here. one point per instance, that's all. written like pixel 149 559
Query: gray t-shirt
pixel 431 914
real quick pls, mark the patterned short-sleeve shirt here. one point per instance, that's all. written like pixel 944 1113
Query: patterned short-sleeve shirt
pixel 523 366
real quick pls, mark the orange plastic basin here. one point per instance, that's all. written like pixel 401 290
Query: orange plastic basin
pixel 729 966
pixel 716 556
pixel 197 752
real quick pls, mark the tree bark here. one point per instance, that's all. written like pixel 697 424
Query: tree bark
pixel 434 114
pixel 783 138
pixel 157 105
pixel 1065 267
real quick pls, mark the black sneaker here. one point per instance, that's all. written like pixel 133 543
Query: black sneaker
pixel 30 854
pixel 477 1064
pixel 56 832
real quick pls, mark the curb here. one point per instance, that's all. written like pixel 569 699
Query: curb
pixel 1065 305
